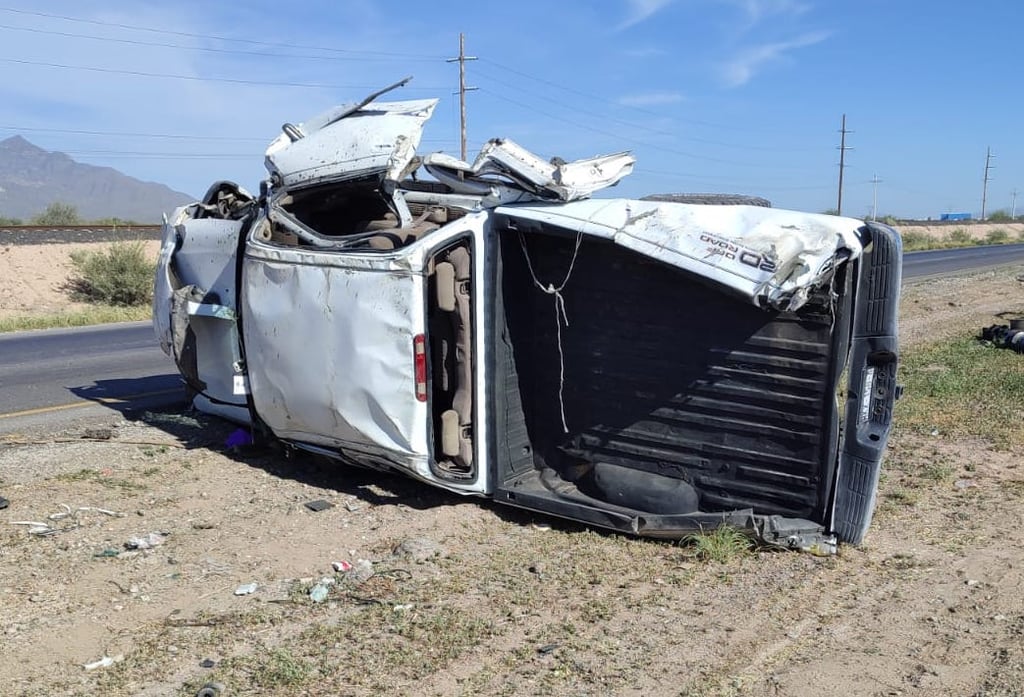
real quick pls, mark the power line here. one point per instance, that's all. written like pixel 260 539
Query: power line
pixel 618 104
pixel 619 137
pixel 213 37
pixel 196 78
pixel 594 97
pixel 126 134
pixel 640 126
pixel 208 49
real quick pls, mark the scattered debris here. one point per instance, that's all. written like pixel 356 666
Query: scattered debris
pixel 68 512
pixel 239 438
pixel 361 572
pixel 404 607
pixel 352 506
pixel 965 483
pixel 318 505
pixel 207 663
pixel 341 566
pixel 319 592
pixel 4 503
pixel 98 433
pixel 104 662
pixel 246 588
pixel 548 648
pixel 1005 336
pixel 211 689
pixel 36 527
pixel 108 552
pixel 43 528
pixel 149 541
pixel 419 549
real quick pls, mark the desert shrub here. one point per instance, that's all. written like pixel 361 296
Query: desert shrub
pixel 5 221
pixel 1000 216
pixel 119 275
pixel 58 213
pixel 915 241
pixel 960 237
pixel 997 236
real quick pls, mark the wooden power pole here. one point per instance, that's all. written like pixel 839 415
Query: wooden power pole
pixel 984 181
pixel 461 59
pixel 842 164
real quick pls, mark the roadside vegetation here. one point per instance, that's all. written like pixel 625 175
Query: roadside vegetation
pixel 963 388
pixel 914 241
pixel 59 213
pixel 120 275
pixel 100 314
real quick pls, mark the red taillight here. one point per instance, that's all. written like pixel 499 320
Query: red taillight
pixel 419 349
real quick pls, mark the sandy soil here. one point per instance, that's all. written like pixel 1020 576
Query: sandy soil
pixel 500 602
pixel 977 231
pixel 32 277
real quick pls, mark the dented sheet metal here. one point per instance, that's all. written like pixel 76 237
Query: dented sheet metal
pixel 340 144
pixel 330 351
pixel 772 257
pixel 502 162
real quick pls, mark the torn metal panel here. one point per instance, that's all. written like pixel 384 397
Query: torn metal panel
pixel 772 257
pixel 378 140
pixel 194 308
pixel 502 163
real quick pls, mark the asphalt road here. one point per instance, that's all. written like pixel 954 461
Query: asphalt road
pixel 59 375
pixel 62 374
pixel 939 262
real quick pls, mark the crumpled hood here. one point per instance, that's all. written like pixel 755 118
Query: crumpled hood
pixel 346 143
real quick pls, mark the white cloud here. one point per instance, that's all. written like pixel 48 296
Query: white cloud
pixel 650 99
pixel 758 10
pixel 752 60
pixel 640 10
pixel 644 52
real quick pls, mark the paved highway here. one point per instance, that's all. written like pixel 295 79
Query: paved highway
pixel 63 373
pixel 82 371
pixel 946 261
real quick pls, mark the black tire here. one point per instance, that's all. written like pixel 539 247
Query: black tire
pixel 711 199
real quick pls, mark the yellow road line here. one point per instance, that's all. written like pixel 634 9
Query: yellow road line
pixel 91 402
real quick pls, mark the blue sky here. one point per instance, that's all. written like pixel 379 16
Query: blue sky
pixel 739 96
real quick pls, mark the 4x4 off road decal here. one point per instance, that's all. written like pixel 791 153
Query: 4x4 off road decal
pixel 732 251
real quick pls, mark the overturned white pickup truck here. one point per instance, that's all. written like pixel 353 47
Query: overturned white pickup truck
pixel 648 366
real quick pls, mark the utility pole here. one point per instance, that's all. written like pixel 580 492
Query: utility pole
pixel 461 59
pixel 984 185
pixel 1013 206
pixel 842 164
pixel 874 196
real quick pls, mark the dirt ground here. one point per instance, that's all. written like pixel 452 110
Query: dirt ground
pixel 32 277
pixel 976 230
pixel 468 597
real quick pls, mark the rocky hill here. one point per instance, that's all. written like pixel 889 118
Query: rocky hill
pixel 32 178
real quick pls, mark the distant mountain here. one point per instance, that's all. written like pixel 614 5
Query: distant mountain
pixel 32 178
